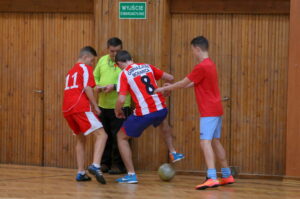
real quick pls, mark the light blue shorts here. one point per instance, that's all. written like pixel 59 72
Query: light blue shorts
pixel 210 128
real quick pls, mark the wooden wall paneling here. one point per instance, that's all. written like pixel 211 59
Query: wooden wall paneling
pixel 259 89
pixel 147 40
pixel 21 71
pixel 293 135
pixel 230 6
pixel 55 6
pixel 185 116
pixel 64 35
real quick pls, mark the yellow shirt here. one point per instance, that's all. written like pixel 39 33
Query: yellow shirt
pixel 105 73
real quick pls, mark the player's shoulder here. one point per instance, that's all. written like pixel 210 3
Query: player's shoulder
pixel 205 64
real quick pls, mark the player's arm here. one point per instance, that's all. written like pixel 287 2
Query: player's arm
pixel 167 77
pixel 190 85
pixel 180 84
pixel 122 89
pixel 119 104
pixel 90 94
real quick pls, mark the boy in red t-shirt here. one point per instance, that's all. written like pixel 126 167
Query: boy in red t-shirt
pixel 80 109
pixel 204 78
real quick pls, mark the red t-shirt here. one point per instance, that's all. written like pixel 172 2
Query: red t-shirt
pixel 140 81
pixel 77 79
pixel 205 78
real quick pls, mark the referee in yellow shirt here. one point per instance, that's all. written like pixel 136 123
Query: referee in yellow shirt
pixel 106 76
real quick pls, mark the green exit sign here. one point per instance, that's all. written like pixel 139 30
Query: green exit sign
pixel 132 10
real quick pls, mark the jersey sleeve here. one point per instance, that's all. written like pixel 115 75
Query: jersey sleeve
pixel 88 77
pixel 157 72
pixel 123 86
pixel 196 75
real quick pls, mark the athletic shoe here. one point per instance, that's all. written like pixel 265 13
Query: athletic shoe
pixel 208 183
pixel 176 156
pixel 129 179
pixel 83 177
pixel 225 181
pixel 97 173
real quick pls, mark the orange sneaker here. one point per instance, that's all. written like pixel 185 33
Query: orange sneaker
pixel 225 181
pixel 208 183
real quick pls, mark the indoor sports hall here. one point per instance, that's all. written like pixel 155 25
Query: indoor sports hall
pixel 191 58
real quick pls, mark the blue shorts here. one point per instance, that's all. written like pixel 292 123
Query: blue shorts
pixel 210 127
pixel 135 125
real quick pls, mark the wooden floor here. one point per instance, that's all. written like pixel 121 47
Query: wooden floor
pixel 43 182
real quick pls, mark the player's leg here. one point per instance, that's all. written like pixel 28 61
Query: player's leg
pixel 125 150
pixel 207 129
pixel 219 150
pixel 167 133
pixel 126 154
pixel 89 123
pixel 100 141
pixel 79 148
pixel 132 127
pixel 80 151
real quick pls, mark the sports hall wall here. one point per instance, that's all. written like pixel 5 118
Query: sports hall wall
pixel 249 48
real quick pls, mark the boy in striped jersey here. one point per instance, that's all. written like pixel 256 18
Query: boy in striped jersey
pixel 150 108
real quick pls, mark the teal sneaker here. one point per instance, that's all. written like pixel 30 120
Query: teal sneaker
pixel 176 156
pixel 129 179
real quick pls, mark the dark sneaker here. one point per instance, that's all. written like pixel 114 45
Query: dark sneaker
pixel 83 177
pixel 97 173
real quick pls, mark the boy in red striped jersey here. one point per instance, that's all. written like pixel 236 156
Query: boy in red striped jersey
pixel 150 108
pixel 80 110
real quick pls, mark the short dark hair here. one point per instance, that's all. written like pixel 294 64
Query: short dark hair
pixel 123 56
pixel 114 41
pixel 200 42
pixel 87 50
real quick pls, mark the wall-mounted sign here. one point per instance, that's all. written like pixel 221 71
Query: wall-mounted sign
pixel 132 10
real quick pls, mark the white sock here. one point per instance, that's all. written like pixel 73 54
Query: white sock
pixel 81 172
pixel 96 165
pixel 131 174
pixel 172 151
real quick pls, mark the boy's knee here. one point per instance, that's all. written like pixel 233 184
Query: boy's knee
pixel 100 133
pixel 121 135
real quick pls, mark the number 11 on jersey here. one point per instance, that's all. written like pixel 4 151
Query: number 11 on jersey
pixel 74 82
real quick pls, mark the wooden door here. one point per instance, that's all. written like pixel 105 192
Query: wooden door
pixel 259 93
pixel 65 34
pixel 21 84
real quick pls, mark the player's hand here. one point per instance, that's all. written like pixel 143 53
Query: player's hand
pixel 159 90
pixel 109 88
pixel 97 110
pixel 99 89
pixel 167 84
pixel 120 114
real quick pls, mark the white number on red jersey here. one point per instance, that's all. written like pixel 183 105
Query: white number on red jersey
pixel 74 82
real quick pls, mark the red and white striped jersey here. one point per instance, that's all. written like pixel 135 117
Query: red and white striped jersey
pixel 140 81
pixel 77 79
